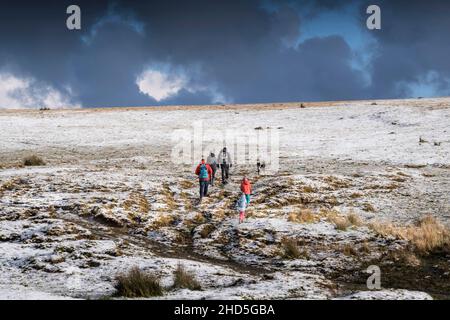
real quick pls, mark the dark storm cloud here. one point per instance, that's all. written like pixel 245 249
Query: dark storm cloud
pixel 241 48
pixel 244 50
pixel 413 43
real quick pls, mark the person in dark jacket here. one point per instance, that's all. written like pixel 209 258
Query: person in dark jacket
pixel 212 161
pixel 204 173
pixel 224 161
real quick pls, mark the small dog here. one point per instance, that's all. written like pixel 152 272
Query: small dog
pixel 260 166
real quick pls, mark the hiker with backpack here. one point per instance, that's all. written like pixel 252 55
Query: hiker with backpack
pixel 259 165
pixel 212 161
pixel 241 206
pixel 246 188
pixel 204 173
pixel 224 161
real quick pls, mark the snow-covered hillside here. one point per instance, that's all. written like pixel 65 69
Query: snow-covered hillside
pixel 353 180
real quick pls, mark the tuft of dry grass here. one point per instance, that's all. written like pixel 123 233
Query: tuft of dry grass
pixel 137 283
pixel 332 201
pixel 137 202
pixel 8 185
pixel 12 185
pixel 185 197
pixel 33 160
pixel 354 219
pixel 169 197
pixel 219 214
pixel 415 166
pixel 303 216
pixel 199 218
pixel 355 195
pixel 427 234
pixel 344 222
pixel 163 220
pixel 374 186
pixel 206 230
pixel 337 183
pixel 195 221
pixel 309 189
pixel 340 223
pixel 290 249
pixel 428 175
pixel 404 257
pixel 368 207
pixel 326 213
pixel 186 184
pixel 398 179
pixel 349 250
pixel 365 248
pixel 185 279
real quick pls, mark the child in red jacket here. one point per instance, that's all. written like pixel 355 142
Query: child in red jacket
pixel 246 188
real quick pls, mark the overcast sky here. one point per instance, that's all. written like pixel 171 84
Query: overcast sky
pixel 136 53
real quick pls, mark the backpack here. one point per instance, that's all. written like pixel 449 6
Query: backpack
pixel 224 158
pixel 203 172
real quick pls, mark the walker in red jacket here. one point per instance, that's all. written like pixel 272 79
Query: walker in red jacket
pixel 203 177
pixel 246 188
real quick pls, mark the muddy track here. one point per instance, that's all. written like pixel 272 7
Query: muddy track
pixel 155 247
pixel 431 276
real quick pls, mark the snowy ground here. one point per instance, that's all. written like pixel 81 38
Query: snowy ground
pixel 110 197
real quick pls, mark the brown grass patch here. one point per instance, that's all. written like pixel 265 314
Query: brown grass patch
pixel 355 195
pixel 405 257
pixel 188 206
pixel 365 248
pixel 206 230
pixel 332 201
pixel 309 189
pixel 137 202
pixel 291 249
pixel 427 234
pixel 337 183
pixel 169 197
pixel 186 184
pixel 343 222
pixel 185 279
pixel 199 218
pixel 9 185
pixel 219 214
pixel 368 207
pixel 33 160
pixel 12 185
pixel 163 220
pixel 428 175
pixel 326 213
pixel 349 250
pixel 390 186
pixel 303 216
pixel 415 166
pixel 183 238
pixel 398 179
pixel 340 223
pixel 354 219
pixel 137 283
